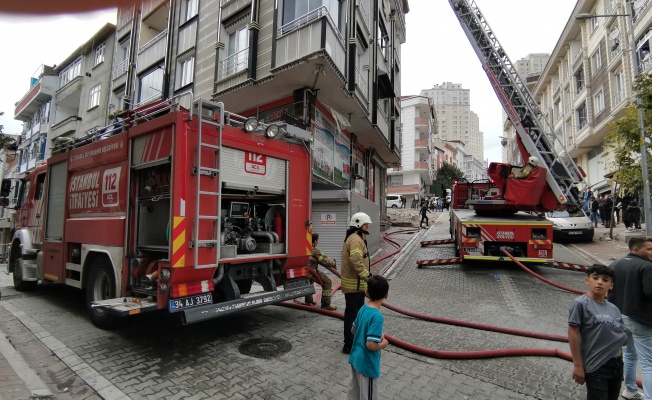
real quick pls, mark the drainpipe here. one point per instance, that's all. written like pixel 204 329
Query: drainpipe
pixel 133 48
pixel 168 50
pixel 254 28
pixel 352 43
pixel 218 46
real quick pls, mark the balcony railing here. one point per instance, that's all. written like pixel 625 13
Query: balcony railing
pixel 307 19
pixel 421 143
pixel 120 69
pixel 644 65
pixel 234 63
pixel 619 97
pixel 641 10
pixel 577 56
pixel 420 165
pixel 126 18
pixel 362 82
pixel 153 40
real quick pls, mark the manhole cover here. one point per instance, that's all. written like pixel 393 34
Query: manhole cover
pixel 265 347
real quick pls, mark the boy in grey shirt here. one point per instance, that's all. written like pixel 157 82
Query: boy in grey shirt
pixel 596 335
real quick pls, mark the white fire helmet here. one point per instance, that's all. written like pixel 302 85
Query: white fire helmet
pixel 359 219
pixel 534 161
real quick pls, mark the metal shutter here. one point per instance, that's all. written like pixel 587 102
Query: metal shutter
pixel 236 174
pixel 56 201
pixel 331 233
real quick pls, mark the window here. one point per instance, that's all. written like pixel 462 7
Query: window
pixel 581 116
pixel 596 60
pixel 579 80
pixel 191 8
pixel 99 54
pixel 395 180
pixel 619 95
pixel 70 72
pixel 598 102
pixel 237 51
pixel 94 98
pixel 185 71
pixel 593 24
pixel 383 39
pixel 151 84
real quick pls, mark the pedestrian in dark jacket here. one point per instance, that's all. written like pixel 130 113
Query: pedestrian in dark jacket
pixel 607 210
pixel 595 210
pixel 634 212
pixel 627 199
pixel 424 215
pixel 632 294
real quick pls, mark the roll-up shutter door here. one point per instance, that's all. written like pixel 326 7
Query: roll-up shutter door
pixel 331 220
pixel 56 201
pixel 244 170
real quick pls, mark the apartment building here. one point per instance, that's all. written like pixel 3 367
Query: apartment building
pixel 34 110
pixel 587 82
pixel 80 105
pixel 418 163
pixel 329 67
pixel 455 120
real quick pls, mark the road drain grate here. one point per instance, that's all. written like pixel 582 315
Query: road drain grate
pixel 265 347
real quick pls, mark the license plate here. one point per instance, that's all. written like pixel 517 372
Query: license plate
pixel 575 232
pixel 191 301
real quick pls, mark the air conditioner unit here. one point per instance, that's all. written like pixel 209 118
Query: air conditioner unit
pixel 358 170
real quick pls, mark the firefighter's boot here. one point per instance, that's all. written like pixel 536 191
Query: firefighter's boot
pixel 310 301
pixel 326 301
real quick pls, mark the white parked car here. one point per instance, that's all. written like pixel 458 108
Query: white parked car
pixel 393 201
pixel 574 226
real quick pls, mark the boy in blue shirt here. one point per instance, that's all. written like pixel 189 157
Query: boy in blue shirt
pixel 368 340
pixel 596 335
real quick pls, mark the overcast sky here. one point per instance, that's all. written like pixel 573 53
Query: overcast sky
pixel 436 50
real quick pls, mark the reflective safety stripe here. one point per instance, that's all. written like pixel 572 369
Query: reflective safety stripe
pixel 363 273
pixel 355 251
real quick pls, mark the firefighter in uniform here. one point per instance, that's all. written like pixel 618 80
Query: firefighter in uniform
pixel 318 258
pixel 355 272
pixel 532 164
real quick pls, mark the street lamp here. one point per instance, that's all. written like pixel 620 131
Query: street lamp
pixel 647 207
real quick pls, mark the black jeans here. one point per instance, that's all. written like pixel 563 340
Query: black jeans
pixel 354 302
pixel 605 382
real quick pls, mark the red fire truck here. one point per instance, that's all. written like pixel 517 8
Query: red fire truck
pixel 170 209
pixel 502 212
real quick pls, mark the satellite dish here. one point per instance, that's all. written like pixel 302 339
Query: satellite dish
pixel 613 35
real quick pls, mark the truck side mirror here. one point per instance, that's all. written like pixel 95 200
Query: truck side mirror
pixel 5 188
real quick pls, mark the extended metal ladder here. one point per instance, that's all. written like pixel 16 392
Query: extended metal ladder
pixel 535 132
pixel 213 114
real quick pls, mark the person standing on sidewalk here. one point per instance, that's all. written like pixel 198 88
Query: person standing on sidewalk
pixel 607 210
pixel 596 335
pixel 424 215
pixel 355 272
pixel 632 294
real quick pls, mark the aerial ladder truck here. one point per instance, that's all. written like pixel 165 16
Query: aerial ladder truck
pixel 503 212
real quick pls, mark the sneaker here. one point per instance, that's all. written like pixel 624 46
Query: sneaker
pixel 628 394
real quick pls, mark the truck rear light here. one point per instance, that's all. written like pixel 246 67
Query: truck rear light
pixel 543 245
pixel 296 272
pixel 470 243
pixel 539 234
pixel 473 233
pixel 187 289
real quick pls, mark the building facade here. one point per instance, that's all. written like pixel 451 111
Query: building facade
pixel 455 120
pixel 588 81
pixel 419 162
pixel 329 67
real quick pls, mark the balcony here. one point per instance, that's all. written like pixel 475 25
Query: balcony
pixel 38 95
pixel 421 124
pixel 70 124
pixel 303 37
pixel 577 56
pixel 644 65
pixel 120 69
pixel 421 143
pixel 152 52
pixel 420 165
pixel 233 64
pixel 362 84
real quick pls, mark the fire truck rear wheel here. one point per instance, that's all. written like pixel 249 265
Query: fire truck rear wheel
pixel 245 286
pixel 19 283
pixel 101 286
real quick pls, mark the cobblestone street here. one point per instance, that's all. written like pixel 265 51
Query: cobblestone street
pixel 155 357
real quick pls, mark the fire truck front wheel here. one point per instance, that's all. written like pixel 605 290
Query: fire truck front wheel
pixel 101 286
pixel 19 283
